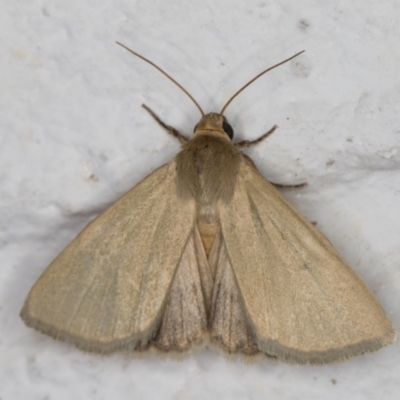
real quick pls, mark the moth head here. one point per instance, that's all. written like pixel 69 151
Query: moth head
pixel 215 123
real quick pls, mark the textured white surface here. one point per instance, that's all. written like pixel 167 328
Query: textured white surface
pixel 74 138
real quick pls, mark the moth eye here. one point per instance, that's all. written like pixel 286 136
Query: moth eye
pixel 227 129
pixel 194 130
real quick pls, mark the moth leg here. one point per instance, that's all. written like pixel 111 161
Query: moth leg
pixel 250 162
pixel 172 131
pixel 248 143
pixel 280 186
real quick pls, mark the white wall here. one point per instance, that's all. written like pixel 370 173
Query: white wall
pixel 74 138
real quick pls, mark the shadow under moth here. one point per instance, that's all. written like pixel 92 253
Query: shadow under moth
pixel 206 251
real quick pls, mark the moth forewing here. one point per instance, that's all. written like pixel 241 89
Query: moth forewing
pixel 202 249
pixel 309 306
pixel 107 290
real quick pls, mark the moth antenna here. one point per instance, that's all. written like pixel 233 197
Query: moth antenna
pixel 255 78
pixel 168 76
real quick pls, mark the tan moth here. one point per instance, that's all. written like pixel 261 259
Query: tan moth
pixel 206 251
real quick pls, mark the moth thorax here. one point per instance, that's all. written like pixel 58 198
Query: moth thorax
pixel 207 169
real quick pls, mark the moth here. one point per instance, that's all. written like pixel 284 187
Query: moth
pixel 205 250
